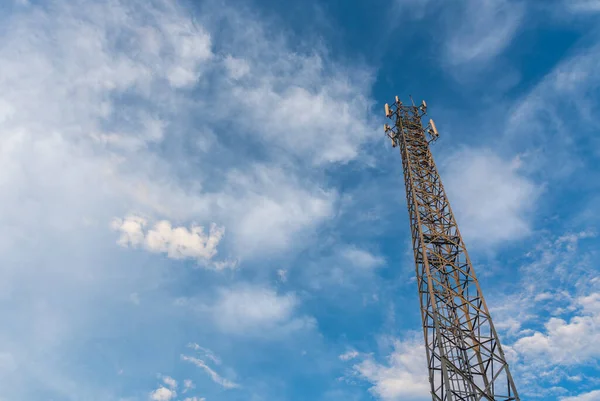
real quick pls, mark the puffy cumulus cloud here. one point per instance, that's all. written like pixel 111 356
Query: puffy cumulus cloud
pixel 170 382
pixel 552 268
pixel 258 310
pixel 177 243
pixel 214 376
pixel 565 342
pixel 163 394
pixel 591 396
pixel 558 278
pixel 489 195
pixel 403 377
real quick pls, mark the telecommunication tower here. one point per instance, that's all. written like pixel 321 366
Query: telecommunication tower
pixel 464 355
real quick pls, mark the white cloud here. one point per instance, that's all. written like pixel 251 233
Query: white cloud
pixel 403 377
pixel 553 267
pixel 237 68
pixel 361 258
pixel 275 210
pixel 475 31
pixel 210 372
pixel 566 342
pixel 132 230
pixel 170 382
pixel 309 122
pixel 282 274
pixel 560 113
pixel 260 310
pixel 558 279
pixel 162 394
pixel 302 103
pixel 346 356
pixel 591 396
pixel 177 243
pixel 206 352
pixel 188 385
pixel 484 29
pixel 582 5
pixel 89 94
pixel 195 399
pixel 490 197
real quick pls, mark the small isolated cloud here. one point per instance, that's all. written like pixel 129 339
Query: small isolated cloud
pixel 361 258
pixel 170 382
pixel 162 394
pixel 349 355
pixel 194 399
pixel 402 378
pixel 282 274
pixel 490 196
pixel 256 309
pixel 176 242
pixel 188 385
pixel 591 396
pixel 210 372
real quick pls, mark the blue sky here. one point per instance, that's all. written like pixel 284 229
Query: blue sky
pixel 198 202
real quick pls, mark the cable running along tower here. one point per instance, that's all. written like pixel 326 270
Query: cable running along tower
pixel 464 356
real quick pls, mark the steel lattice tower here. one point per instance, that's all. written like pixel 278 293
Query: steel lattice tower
pixel 464 356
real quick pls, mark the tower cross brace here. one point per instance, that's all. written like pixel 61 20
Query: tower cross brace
pixel 464 356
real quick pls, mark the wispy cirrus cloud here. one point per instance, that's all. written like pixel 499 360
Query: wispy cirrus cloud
pixel 483 31
pixel 214 376
pixel 176 242
pixel 585 6
pixel 474 32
